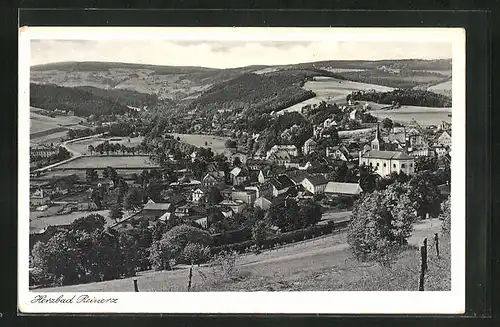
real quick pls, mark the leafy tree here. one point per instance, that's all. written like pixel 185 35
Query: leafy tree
pixel 55 260
pixel 91 149
pixel 284 214
pixel 195 253
pixel 214 196
pixel 153 190
pixel 367 178
pixel 91 175
pixel 116 212
pixel 237 162
pixel 445 216
pixel 260 232
pixel 381 223
pixel 230 144
pixel 425 195
pixel 130 252
pixel 387 123
pixel 88 223
pixel 173 243
pixel 132 199
pixel 310 213
pixel 162 251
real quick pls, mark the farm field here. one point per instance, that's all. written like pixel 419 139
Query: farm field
pixel 423 115
pixel 331 89
pixel 442 88
pixel 40 123
pixel 323 263
pixel 82 146
pixel 101 162
pixel 216 143
pixel 55 138
pixel 37 223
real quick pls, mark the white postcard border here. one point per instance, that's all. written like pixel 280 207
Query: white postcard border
pixel 255 302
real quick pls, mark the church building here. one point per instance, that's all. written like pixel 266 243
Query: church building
pixel 386 162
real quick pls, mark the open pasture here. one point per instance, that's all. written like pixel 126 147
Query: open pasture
pixel 82 145
pixel 38 223
pixel 216 143
pixel 423 115
pixel 101 162
pixel 444 88
pixel 332 90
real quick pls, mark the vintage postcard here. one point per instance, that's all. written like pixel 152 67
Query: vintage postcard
pixel 241 170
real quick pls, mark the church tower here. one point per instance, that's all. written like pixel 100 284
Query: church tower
pixel 377 142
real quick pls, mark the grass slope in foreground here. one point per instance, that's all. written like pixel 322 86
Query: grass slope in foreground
pixel 323 264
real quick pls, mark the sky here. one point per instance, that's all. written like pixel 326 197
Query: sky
pixel 230 54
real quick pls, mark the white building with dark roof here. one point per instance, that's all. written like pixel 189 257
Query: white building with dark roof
pixel 386 162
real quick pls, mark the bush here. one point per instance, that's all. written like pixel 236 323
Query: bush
pixel 381 223
pixel 195 253
pixel 445 216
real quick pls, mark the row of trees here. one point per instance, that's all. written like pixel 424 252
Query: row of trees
pixel 410 97
pixel 88 251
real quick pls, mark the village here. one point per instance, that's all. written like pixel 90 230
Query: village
pixel 217 192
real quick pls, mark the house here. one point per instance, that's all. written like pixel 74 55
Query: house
pixel 184 210
pixel 193 156
pixel 262 189
pixel 315 184
pixel 215 171
pixel 444 139
pixel 239 176
pixel 177 200
pixel 247 196
pixel 262 203
pixel 290 149
pixel 309 146
pixel 297 177
pixel 386 162
pixel 237 206
pixel 440 150
pixel 281 184
pixel 264 175
pixel 209 180
pixel 238 154
pixel 338 153
pixel 106 185
pixel 153 210
pixel 343 189
pixel 199 194
pixel 444 126
pixel 280 157
pixel 356 114
pixel 39 197
pixel 297 164
pixel 256 165
pixel 329 122
pixel 429 153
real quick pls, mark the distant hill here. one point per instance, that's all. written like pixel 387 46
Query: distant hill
pixel 263 87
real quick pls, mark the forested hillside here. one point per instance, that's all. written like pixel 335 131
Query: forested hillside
pixel 86 100
pixel 259 92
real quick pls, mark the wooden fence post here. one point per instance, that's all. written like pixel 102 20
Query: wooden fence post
pixel 423 264
pixel 190 277
pixel 425 255
pixel 136 289
pixel 436 242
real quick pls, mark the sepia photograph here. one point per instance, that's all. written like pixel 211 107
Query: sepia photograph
pixel 200 164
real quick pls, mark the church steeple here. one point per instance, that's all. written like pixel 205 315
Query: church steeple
pixel 377 143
